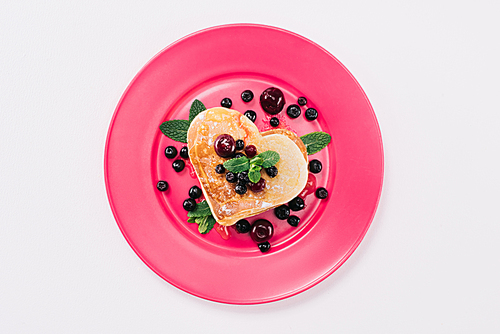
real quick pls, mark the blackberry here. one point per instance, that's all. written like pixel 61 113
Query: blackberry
pixel 178 165
pixel 321 193
pixel 240 189
pixel 231 177
pixel 296 204
pixel 170 152
pixel 252 115
pixel 315 166
pixel 240 144
pixel 195 192
pixel 226 102
pixel 274 122
pixel 282 212
pixel 272 171
pixel 243 226
pixel 162 185
pixel 293 111
pixel 184 153
pixel 247 96
pixel 219 169
pixel 311 114
pixel 189 204
pixel 264 246
pixel 293 221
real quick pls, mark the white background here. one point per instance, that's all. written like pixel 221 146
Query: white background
pixel 430 261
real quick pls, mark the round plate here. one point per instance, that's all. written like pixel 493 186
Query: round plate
pixel 222 62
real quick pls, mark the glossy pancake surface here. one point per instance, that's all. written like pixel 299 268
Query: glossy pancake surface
pixel 227 206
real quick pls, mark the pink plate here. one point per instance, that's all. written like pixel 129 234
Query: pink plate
pixel 210 65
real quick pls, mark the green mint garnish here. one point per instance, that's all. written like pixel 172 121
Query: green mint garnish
pixel 237 165
pixel 316 141
pixel 205 224
pixel 202 216
pixel 202 209
pixel 270 158
pixel 175 129
pixel 196 107
pixel 257 160
pixel 254 174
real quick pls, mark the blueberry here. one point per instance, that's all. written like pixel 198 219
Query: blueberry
pixel 238 155
pixel 293 221
pixel 311 114
pixel 178 165
pixel 264 246
pixel 195 192
pixel 274 122
pixel 296 204
pixel 243 176
pixel 170 152
pixel 272 171
pixel 302 101
pixel 184 152
pixel 293 111
pixel 247 96
pixel 219 169
pixel 240 189
pixel 189 204
pixel 231 177
pixel 242 226
pixel 226 102
pixel 162 185
pixel 240 144
pixel 252 115
pixel 321 193
pixel 315 166
pixel 282 212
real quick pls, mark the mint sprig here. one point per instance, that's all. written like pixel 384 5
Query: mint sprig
pixel 269 158
pixel 177 129
pixel 254 173
pixel 316 141
pixel 196 107
pixel 205 224
pixel 253 166
pixel 202 216
pixel 201 209
pixel 237 165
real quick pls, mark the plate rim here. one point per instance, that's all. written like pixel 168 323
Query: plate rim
pixel 312 283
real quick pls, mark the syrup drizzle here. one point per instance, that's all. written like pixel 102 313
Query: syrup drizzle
pixel 223 231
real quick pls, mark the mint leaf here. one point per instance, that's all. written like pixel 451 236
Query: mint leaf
pixel 202 209
pixel 206 224
pixel 196 107
pixel 175 129
pixel 237 165
pixel 316 141
pixel 254 175
pixel 256 161
pixel 270 158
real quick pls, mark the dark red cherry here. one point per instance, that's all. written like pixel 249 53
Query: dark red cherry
pixel 251 151
pixel 225 146
pixel 257 187
pixel 272 100
pixel 262 230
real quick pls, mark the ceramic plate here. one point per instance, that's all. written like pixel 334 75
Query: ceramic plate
pixel 210 65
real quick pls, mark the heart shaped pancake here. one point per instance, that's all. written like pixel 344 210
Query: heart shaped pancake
pixel 227 206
